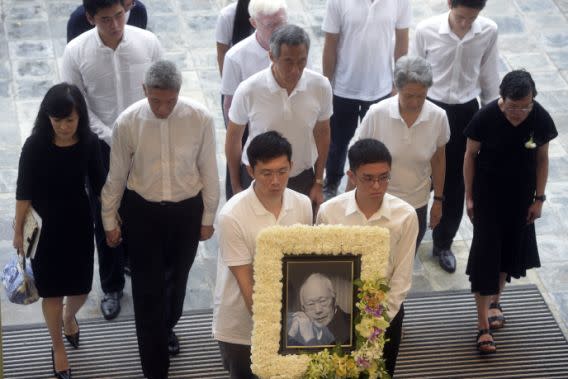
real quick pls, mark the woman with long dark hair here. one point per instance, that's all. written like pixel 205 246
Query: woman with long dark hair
pixel 233 25
pixel 56 159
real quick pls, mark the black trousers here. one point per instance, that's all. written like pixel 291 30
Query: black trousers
pixel 163 238
pixel 111 260
pixel 343 123
pixel 422 214
pixel 459 116
pixel 394 334
pixel 302 182
pixel 228 187
pixel 236 359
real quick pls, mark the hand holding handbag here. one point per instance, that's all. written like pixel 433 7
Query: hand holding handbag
pixel 18 281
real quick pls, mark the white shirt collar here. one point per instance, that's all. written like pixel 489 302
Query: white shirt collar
pixel 260 210
pixel 273 85
pixel 351 208
pixel 394 111
pixel 101 44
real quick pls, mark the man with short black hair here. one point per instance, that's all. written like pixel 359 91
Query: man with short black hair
pixel 108 63
pixel 290 99
pixel 461 46
pixel 370 205
pixel 79 23
pixel 266 202
pixel 163 154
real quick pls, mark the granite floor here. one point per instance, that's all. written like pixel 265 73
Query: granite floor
pixel 533 35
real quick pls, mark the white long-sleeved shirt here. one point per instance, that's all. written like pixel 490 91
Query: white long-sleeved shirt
pixel 169 159
pixel 110 80
pixel 462 68
pixel 400 219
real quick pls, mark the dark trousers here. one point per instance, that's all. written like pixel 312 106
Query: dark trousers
pixel 303 182
pixel 422 214
pixel 236 360
pixel 111 260
pixel 459 116
pixel 228 188
pixel 343 123
pixel 163 238
pixel 394 335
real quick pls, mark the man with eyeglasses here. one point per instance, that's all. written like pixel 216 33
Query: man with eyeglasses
pixel 108 64
pixel 320 321
pixel 369 204
pixel 288 98
pixel 266 202
pixel 79 23
pixel 461 46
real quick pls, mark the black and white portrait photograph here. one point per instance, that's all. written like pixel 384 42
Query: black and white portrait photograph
pixel 319 302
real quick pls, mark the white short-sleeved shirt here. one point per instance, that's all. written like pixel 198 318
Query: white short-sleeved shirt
pixel 411 148
pixel 399 218
pixel 462 68
pixel 264 105
pixel 240 221
pixel 243 60
pixel 366 29
pixel 225 23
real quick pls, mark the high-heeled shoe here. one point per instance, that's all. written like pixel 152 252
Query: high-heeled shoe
pixel 73 338
pixel 65 374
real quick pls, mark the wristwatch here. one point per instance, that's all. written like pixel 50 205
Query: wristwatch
pixel 319 181
pixel 439 198
pixel 540 198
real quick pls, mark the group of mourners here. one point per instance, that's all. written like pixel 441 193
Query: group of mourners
pixel 117 154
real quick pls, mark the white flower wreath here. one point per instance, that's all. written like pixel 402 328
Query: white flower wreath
pixel 371 243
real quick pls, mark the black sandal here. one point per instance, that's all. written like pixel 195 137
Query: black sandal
pixel 496 322
pixel 481 344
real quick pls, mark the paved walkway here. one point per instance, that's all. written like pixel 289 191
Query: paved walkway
pixel 533 35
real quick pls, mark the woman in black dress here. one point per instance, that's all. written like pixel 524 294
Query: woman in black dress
pixel 55 161
pixel 505 173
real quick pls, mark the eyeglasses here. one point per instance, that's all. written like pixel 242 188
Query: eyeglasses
pixel 527 109
pixel 323 302
pixel 371 179
pixel 132 5
pixel 269 174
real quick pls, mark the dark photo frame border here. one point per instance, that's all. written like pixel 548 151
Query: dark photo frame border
pixel 287 259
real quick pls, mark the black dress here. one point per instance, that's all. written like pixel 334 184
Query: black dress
pixel 53 178
pixel 504 185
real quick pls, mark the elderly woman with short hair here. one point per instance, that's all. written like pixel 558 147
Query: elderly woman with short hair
pixel 415 131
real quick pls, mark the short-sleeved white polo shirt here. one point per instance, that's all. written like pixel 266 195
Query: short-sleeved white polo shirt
pixel 366 29
pixel 264 105
pixel 242 61
pixel 400 219
pixel 225 23
pixel 411 148
pixel 240 221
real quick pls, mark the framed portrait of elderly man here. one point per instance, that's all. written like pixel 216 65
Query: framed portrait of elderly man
pixel 318 302
pixel 308 297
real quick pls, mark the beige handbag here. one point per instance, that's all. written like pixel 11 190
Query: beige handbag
pixel 32 230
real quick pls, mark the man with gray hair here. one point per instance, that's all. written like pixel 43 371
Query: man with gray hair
pixel 320 321
pixel 250 56
pixel 290 99
pixel 163 160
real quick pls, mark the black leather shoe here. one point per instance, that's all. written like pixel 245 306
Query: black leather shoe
pixel 110 305
pixel 66 374
pixel 447 260
pixel 173 344
pixel 73 338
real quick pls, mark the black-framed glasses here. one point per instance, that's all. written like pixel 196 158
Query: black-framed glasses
pixel 371 179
